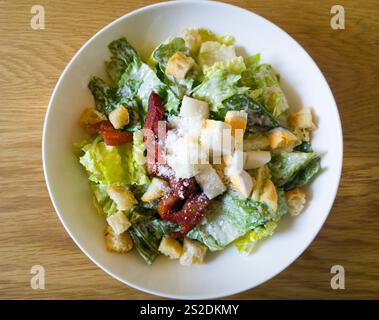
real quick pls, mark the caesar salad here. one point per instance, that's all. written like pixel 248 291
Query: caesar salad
pixel 193 150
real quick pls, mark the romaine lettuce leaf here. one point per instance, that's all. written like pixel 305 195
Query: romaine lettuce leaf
pixel 139 80
pixel 230 218
pixel 103 203
pixel 105 96
pixel 159 59
pixel 259 118
pixel 286 165
pixel 164 51
pixel 212 52
pixel 110 165
pixel 304 176
pixel 147 233
pixel 218 86
pixel 234 66
pixel 247 242
pixel 264 82
pixel 207 35
pixel 122 55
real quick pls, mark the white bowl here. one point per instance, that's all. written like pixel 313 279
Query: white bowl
pixel 223 273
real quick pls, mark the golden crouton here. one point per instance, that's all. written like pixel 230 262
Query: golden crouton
pixel 296 201
pixel 178 65
pixel 170 247
pixel 119 222
pixel 156 189
pixel 121 243
pixel 193 252
pixel 123 198
pixel 119 117
pixel 281 138
pixel 302 119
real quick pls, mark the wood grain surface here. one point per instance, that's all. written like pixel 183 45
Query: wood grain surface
pixel 30 64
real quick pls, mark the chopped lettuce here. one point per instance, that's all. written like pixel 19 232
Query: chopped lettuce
pixel 259 118
pixel 159 58
pixel 285 167
pixel 247 242
pixel 103 203
pixel 110 165
pixel 147 233
pixel 235 66
pixel 164 51
pixel 122 55
pixel 218 86
pixel 230 218
pixel 264 82
pixel 139 80
pixel 207 35
pixel 212 52
pixel 282 203
pixel 304 176
pixel 105 96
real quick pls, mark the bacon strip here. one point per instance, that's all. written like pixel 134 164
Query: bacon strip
pixel 190 215
pixel 195 203
pixel 111 136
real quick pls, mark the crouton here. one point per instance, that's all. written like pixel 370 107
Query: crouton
pixel 281 138
pixel 178 65
pixel 119 243
pixel 123 198
pixel 302 119
pixel 193 252
pixel 296 201
pixel 170 247
pixel 119 222
pixel 156 189
pixel 119 117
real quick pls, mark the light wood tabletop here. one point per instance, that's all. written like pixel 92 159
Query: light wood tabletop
pixel 31 233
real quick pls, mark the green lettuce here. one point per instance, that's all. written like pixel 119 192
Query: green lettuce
pixel 159 59
pixel 147 232
pixel 103 203
pixel 207 35
pixel 105 96
pixel 218 86
pixel 259 118
pixel 111 165
pixel 212 52
pixel 164 51
pixel 304 176
pixel 264 82
pixel 230 218
pixel 247 242
pixel 290 168
pixel 139 80
pixel 122 54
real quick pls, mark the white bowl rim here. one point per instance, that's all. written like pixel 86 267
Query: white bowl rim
pixel 129 283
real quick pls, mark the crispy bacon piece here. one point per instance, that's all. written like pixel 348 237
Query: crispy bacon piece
pixel 195 203
pixel 111 136
pixel 167 204
pixel 190 215
pixel 155 113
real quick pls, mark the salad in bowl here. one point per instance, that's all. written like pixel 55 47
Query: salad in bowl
pixel 194 149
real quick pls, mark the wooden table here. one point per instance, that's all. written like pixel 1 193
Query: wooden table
pixel 31 62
